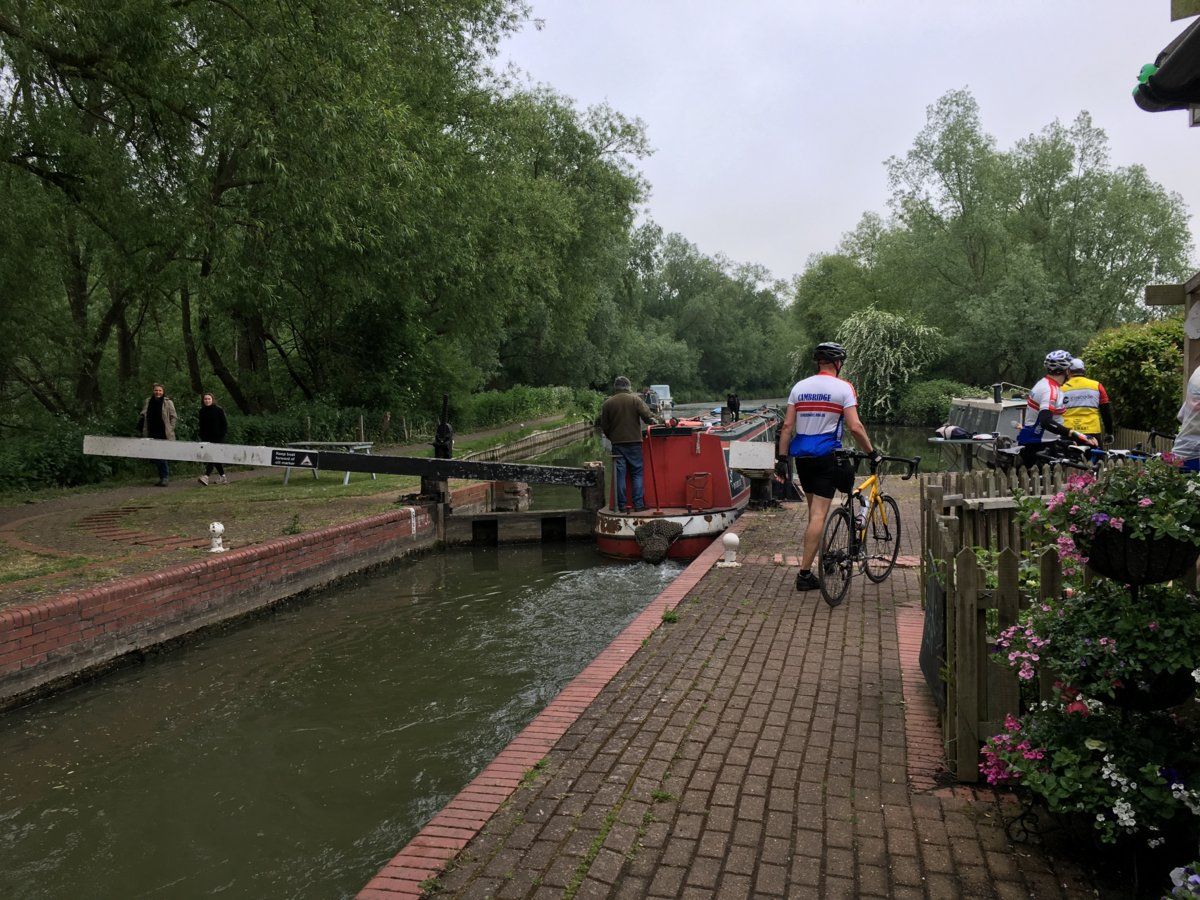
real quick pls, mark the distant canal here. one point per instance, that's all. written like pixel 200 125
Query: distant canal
pixel 292 756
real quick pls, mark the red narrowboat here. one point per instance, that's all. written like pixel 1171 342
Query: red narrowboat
pixel 692 495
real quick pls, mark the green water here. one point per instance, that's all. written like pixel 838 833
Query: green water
pixel 292 755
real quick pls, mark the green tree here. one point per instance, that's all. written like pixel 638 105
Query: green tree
pixel 1141 367
pixel 884 352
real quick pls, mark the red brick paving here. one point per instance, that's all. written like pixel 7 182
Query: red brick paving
pixel 762 745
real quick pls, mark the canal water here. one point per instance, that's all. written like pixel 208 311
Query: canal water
pixel 292 756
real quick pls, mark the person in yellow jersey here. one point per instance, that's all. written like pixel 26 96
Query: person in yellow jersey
pixel 1086 405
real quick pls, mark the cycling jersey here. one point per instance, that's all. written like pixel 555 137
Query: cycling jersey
pixel 1187 444
pixel 820 402
pixel 1046 394
pixel 1082 398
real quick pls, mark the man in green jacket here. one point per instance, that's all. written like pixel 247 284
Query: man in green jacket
pixel 621 419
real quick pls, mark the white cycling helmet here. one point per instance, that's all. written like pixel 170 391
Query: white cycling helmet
pixel 1058 361
pixel 1076 364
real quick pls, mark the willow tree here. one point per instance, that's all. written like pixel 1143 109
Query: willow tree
pixel 884 352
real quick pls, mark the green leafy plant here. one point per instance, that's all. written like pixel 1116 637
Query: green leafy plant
pixel 1139 367
pixel 1103 637
pixel 1125 774
pixel 670 616
pixel 294 526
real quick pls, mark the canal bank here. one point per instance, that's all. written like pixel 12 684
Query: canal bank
pixel 755 743
pixel 50 642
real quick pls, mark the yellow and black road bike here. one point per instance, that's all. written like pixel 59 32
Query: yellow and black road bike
pixel 863 534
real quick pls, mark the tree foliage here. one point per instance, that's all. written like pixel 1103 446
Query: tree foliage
pixel 1140 366
pixel 1013 252
pixel 884 352
pixel 332 204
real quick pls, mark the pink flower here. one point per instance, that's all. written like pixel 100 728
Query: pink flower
pixel 1153 626
pixel 1117 522
pixel 1074 510
pixel 1078 706
pixel 1035 517
pixel 1145 501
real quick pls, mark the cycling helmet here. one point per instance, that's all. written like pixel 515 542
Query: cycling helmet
pixel 1077 365
pixel 829 352
pixel 1058 361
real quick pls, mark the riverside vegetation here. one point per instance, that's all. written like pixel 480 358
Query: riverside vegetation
pixel 349 209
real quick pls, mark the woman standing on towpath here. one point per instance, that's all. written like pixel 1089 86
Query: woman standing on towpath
pixel 213 429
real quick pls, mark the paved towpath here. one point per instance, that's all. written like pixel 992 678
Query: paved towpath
pixel 761 745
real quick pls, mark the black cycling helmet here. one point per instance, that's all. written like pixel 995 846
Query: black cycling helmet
pixel 829 352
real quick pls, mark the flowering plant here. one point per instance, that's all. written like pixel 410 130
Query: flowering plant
pixel 1147 501
pixel 1185 882
pixel 1126 775
pixel 1102 638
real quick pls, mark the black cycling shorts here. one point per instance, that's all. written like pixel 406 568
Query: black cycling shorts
pixel 824 476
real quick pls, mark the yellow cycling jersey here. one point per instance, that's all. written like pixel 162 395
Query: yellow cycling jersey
pixel 1082 398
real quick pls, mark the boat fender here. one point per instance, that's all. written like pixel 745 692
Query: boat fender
pixel 656 537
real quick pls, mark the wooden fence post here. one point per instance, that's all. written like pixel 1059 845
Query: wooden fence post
pixel 966 581
pixel 1049 588
pixel 1005 696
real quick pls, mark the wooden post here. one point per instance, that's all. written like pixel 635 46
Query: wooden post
pixel 362 430
pixel 966 582
pixel 1006 696
pixel 308 428
pixel 1049 589
pixel 593 497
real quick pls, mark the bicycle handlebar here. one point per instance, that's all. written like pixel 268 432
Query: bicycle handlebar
pixel 857 456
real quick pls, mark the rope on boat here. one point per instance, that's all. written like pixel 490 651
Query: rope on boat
pixel 656 537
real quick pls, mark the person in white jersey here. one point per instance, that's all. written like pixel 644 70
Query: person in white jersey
pixel 1044 426
pixel 818 408
pixel 1187 442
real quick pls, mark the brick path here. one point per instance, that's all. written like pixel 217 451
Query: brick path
pixel 755 747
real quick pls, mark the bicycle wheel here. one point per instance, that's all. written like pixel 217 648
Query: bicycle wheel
pixel 837 556
pixel 882 539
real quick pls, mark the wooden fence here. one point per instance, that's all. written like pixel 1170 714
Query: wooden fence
pixel 967 604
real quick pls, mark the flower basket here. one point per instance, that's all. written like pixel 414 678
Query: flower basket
pixel 1161 690
pixel 1114 554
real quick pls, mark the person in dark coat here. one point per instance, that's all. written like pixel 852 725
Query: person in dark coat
pixel 213 429
pixel 158 422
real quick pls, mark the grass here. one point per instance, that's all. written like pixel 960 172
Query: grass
pixel 670 616
pixel 17 565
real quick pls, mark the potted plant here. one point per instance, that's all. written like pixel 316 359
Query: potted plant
pixel 1124 775
pixel 1136 524
pixel 1135 652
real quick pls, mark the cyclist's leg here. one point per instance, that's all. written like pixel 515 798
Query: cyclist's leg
pixel 817 480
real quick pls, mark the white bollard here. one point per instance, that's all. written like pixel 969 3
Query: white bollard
pixel 216 529
pixel 731 542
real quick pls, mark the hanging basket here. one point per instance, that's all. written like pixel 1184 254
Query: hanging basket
pixel 1162 690
pixel 1115 555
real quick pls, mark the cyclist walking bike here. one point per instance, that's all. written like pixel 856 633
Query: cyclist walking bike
pixel 863 534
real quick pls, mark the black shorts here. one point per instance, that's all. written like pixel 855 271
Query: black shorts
pixel 824 476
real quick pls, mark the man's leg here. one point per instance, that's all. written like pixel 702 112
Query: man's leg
pixel 637 470
pixel 818 509
pixel 619 474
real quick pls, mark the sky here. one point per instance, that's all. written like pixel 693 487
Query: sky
pixel 771 120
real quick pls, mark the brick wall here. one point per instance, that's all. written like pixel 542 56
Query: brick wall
pixel 53 640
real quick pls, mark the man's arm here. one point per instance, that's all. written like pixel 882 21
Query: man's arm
pixel 646 415
pixel 855 426
pixel 1045 419
pixel 785 431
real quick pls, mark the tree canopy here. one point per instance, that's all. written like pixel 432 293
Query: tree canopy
pixel 1010 252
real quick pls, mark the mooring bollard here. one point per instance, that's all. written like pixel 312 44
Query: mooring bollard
pixel 216 529
pixel 731 542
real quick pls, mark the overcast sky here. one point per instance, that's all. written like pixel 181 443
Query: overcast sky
pixel 771 119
